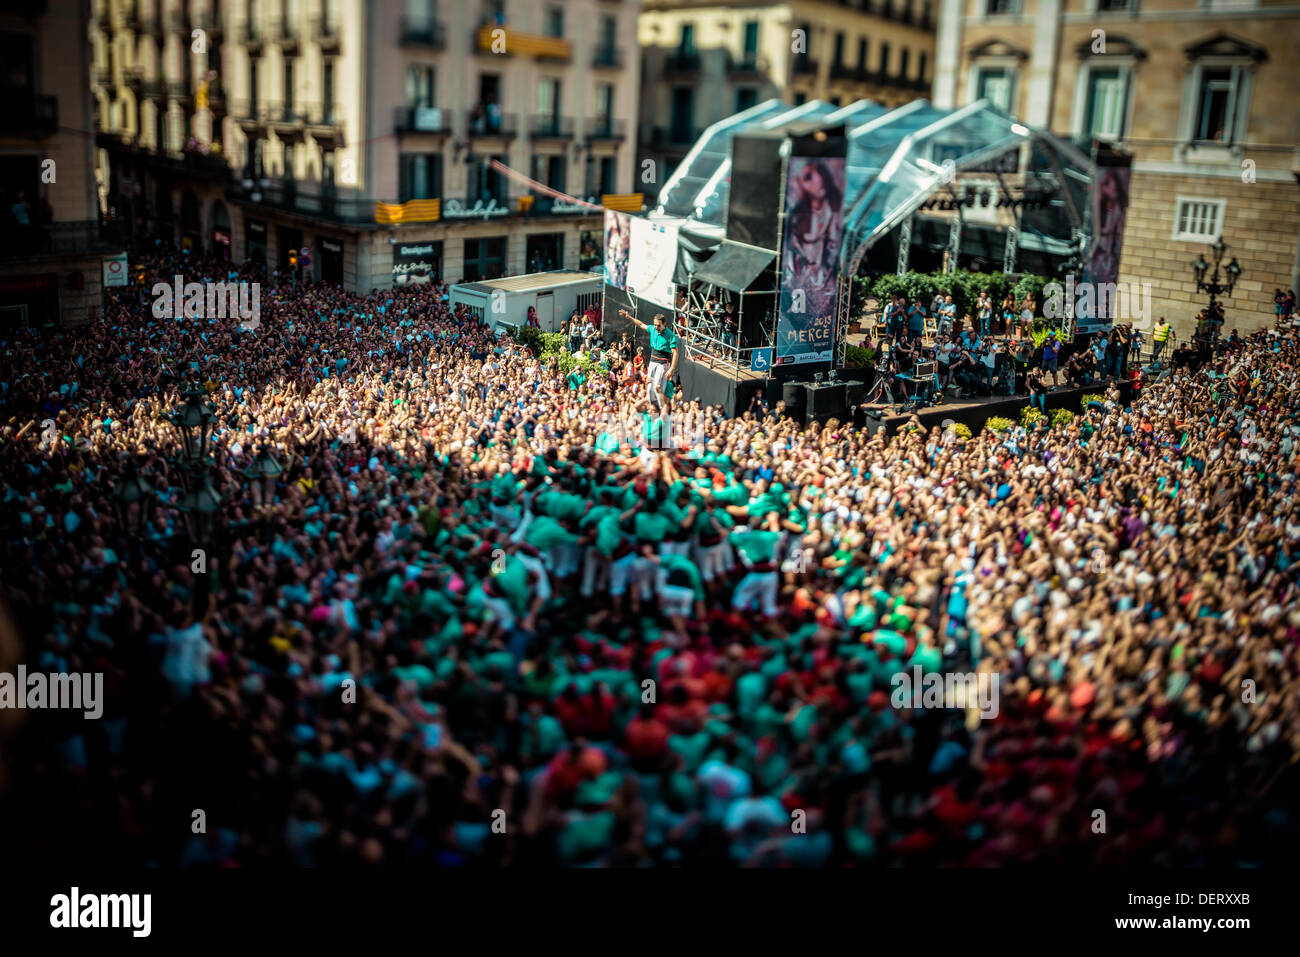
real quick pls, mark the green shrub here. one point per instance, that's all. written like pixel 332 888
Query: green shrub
pixel 1091 397
pixel 1030 417
pixel 858 356
pixel 530 338
pixel 998 424
pixel 1030 283
pixel 1062 417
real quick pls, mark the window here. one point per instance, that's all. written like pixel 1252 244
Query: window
pixel 884 58
pixel 288 88
pixel 1116 4
pixel 327 89
pixel 420 86
pixel 420 176
pixel 485 183
pixel 903 56
pixel 995 85
pixel 485 258
pixel 548 97
pixel 687 44
pixel 839 49
pixel 1107 93
pixel 604 118
pixel 555 21
pixel 746 96
pixel 252 85
pixel 862 53
pixel 751 39
pixel 683 114
pixel 550 171
pixel 494 12
pixel 1198 220
pixel 1215 115
pixel 995 7
pixel 922 62
pixel 608 32
pixel 600 175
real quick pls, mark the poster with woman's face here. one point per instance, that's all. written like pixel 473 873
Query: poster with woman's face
pixel 810 257
pixel 617 247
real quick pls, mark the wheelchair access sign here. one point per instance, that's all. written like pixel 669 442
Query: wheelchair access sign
pixel 760 360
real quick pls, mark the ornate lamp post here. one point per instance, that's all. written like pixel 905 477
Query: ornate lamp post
pixel 261 475
pixel 132 498
pixel 200 504
pixel 1214 287
pixel 193 423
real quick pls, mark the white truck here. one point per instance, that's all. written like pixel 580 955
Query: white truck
pixel 504 302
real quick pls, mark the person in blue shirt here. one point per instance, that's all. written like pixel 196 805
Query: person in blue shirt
pixel 916 320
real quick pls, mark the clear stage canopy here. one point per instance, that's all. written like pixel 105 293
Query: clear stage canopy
pixel 897 159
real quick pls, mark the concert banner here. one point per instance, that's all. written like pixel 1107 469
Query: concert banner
pixel 618 245
pixel 652 261
pixel 1110 189
pixel 810 259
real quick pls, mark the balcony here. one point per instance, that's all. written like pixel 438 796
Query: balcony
pixel 250 35
pixel 607 58
pixel 551 127
pixel 842 71
pixel 517 43
pixel 155 90
pixel 133 77
pixel 309 197
pixel 179 22
pixel 35 115
pixel 324 121
pixel 681 64
pixel 325 31
pixel 749 66
pixel 101 76
pixel 479 122
pixel 286 37
pixel 287 121
pixel 177 91
pixel 423 33
pixel 152 26
pixel 421 119
pixel 803 66
pixel 251 117
pixel 66 238
pixel 605 129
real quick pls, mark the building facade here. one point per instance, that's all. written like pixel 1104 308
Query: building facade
pixel 1201 93
pixel 53 245
pixel 705 60
pixel 394 139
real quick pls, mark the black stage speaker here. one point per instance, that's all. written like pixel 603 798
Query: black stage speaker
pixel 794 397
pixel 855 393
pixel 825 401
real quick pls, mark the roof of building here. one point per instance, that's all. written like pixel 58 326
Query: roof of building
pixel 535 280
pixel 896 160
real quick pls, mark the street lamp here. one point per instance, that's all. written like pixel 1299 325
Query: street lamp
pixel 261 475
pixel 131 499
pixel 193 422
pixel 1213 286
pixel 200 504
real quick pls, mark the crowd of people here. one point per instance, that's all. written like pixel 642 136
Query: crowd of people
pixel 497 615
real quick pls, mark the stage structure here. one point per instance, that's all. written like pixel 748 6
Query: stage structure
pixel 971 187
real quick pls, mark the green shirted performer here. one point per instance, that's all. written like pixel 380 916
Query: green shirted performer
pixel 663 354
